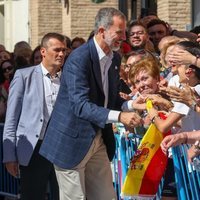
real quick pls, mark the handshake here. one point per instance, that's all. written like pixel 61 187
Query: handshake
pixel 130 119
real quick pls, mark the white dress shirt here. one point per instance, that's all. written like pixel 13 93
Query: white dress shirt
pixel 105 63
pixel 51 88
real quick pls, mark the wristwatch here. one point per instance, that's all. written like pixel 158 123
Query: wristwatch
pixel 197 146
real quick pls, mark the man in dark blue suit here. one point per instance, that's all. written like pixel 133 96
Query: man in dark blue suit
pixel 79 139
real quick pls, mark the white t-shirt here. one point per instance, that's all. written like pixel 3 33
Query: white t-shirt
pixel 191 120
pixel 174 81
pixel 197 89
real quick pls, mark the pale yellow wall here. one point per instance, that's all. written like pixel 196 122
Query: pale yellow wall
pixel 51 15
pixel 177 13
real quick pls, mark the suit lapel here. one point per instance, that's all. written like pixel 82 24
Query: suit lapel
pixel 113 77
pixel 39 84
pixel 95 64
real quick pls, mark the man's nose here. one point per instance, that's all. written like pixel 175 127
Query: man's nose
pixel 157 36
pixel 61 53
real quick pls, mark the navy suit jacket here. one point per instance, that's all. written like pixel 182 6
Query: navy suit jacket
pixel 79 113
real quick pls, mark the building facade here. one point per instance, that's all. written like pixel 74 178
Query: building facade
pixel 29 20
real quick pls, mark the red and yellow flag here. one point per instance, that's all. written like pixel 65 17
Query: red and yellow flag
pixel 147 165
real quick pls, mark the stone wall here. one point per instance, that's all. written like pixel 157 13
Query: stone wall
pixel 78 18
pixel 45 16
pixel 176 12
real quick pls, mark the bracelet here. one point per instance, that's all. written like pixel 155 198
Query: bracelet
pixel 153 119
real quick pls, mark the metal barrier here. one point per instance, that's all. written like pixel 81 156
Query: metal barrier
pixel 187 178
pixel 126 146
pixel 9 186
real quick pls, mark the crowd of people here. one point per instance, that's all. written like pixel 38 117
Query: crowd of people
pixel 21 57
pixel 60 102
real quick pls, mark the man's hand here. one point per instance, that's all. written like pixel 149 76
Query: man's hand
pixel 12 168
pixel 130 119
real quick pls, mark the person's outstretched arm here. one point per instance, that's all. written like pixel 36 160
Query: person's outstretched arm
pixel 179 138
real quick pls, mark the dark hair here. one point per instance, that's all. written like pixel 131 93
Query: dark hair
pixel 194 49
pixel 48 36
pixel 78 39
pixel 91 35
pixel 8 53
pixel 154 22
pixel 33 54
pixel 21 45
pixel 134 23
pixel 2 78
pixel 196 30
pixel 68 42
pixel 146 13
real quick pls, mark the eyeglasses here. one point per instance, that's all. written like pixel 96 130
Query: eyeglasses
pixel 127 66
pixel 139 33
pixel 9 68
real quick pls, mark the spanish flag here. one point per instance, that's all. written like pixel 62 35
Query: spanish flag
pixel 147 165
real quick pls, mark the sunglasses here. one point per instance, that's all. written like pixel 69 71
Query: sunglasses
pixel 9 68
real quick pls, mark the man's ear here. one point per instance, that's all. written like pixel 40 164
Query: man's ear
pixel 101 31
pixel 42 51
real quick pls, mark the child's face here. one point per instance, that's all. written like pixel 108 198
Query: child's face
pixel 182 73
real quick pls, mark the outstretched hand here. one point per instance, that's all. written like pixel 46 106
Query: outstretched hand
pixel 130 119
pixel 172 140
pixel 184 95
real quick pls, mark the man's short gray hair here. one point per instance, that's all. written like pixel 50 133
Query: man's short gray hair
pixel 105 16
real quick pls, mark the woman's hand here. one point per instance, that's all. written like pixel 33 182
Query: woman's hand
pixel 139 103
pixel 159 101
pixel 192 153
pixel 184 95
pixel 172 140
pixel 182 57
